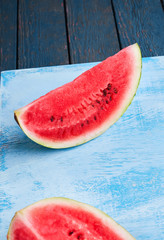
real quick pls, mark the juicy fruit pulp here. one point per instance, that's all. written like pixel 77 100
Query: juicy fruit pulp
pixel 64 219
pixel 84 108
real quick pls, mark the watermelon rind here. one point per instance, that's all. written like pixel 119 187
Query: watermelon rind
pixel 101 129
pixel 24 215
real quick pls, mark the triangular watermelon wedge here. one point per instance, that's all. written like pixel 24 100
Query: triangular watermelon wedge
pixel 84 108
pixel 64 219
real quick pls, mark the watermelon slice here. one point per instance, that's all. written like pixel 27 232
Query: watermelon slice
pixel 84 108
pixel 64 219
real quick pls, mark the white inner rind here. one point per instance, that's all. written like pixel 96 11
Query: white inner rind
pixel 100 129
pixel 21 216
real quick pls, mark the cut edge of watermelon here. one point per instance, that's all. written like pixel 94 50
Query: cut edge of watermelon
pixel 24 214
pixel 101 129
pixel 19 217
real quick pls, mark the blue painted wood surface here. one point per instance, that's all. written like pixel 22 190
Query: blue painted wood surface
pixel 121 172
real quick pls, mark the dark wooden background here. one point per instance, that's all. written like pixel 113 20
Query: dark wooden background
pixel 53 32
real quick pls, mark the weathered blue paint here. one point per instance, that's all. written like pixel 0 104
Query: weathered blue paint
pixel 121 172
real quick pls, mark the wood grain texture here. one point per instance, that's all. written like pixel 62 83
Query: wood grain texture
pixel 8 34
pixel 120 172
pixel 162 3
pixel 143 22
pixel 42 34
pixel 91 30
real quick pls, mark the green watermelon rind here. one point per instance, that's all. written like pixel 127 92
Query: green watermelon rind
pixel 82 139
pixel 137 84
pixel 106 219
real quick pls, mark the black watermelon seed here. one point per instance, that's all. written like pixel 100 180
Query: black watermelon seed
pixel 110 99
pixel 87 121
pixel 70 233
pixel 98 101
pixel 79 236
pixel 95 118
pixel 104 92
pixel 93 105
pixel 107 101
pixel 109 86
pixel 82 124
pixel 52 118
pixel 61 119
pixel 115 90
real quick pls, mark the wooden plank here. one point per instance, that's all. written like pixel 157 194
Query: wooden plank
pixel 91 30
pixel 162 3
pixel 143 22
pixel 42 33
pixel 8 34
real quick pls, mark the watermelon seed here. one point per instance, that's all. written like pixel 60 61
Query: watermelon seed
pixel 79 236
pixel 95 118
pixel 107 101
pixel 110 99
pixel 70 233
pixel 109 86
pixel 102 108
pixel 52 118
pixel 87 121
pixel 93 105
pixel 98 101
pixel 115 90
pixel 104 92
pixel 82 124
pixel 61 119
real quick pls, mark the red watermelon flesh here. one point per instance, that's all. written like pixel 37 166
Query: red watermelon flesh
pixel 20 231
pixel 64 219
pixel 84 108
